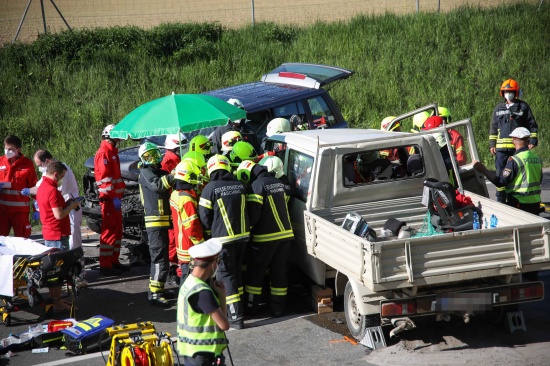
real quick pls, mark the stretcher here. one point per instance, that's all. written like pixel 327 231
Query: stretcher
pixel 27 266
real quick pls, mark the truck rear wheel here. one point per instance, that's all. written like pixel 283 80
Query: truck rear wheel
pixel 357 323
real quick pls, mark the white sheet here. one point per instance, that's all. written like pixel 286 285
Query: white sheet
pixel 10 246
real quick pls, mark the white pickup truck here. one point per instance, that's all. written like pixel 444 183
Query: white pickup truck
pixel 460 272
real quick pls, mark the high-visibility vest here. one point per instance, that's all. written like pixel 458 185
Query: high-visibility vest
pixel 197 332
pixel 526 185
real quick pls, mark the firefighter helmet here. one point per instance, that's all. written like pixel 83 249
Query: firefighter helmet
pixel 277 125
pixel 297 123
pixel 244 171
pixel 229 139
pixel 198 159
pixel 445 114
pixel 274 165
pixel 218 162
pixel 419 119
pixel 432 122
pixel 150 154
pixel 106 133
pixel 201 144
pixel 242 151
pixel 188 172
pixel 172 141
pixel 386 124
pixel 236 103
pixel 509 85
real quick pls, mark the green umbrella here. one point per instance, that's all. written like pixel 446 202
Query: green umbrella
pixel 176 113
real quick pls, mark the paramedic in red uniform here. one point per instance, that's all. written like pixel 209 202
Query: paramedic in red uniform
pixel 111 188
pixel 16 172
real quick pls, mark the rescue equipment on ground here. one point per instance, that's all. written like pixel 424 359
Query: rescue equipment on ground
pixel 86 335
pixel 139 344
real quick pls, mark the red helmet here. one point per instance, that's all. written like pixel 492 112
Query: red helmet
pixel 509 85
pixel 432 122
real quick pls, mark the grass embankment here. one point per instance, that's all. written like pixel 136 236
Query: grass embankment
pixel 60 91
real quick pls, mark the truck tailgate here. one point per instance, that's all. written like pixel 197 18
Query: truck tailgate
pixel 520 243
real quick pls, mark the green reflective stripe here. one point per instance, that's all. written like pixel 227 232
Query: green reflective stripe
pixel 225 217
pixel 279 291
pixel 166 184
pixel 534 134
pixel 287 234
pixel 241 290
pixel 189 219
pixel 244 229
pixel 157 218
pixel 228 239
pixel 255 198
pixel 275 213
pixel 205 203
pixel 493 137
pixel 253 290
pixel 231 299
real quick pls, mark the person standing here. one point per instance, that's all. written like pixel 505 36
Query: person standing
pixel 154 187
pixel 56 225
pixel 508 115
pixel 16 173
pixel 223 214
pixel 455 138
pixel 111 189
pixel 521 177
pixel 271 234
pixel 183 203
pixel 202 314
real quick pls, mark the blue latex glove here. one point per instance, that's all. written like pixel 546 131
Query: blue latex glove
pixel 117 203
pixel 36 215
pixel 1 186
pixel 26 192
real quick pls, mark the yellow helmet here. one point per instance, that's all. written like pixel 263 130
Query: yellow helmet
pixel 201 144
pixel 386 124
pixel 218 162
pixel 198 159
pixel 241 151
pixel 445 114
pixel 229 139
pixel 419 119
pixel 244 171
pixel 188 172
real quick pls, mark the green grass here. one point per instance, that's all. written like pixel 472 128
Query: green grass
pixel 60 91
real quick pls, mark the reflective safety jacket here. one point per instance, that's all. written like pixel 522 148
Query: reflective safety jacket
pixel 107 172
pixel 154 190
pixel 222 208
pixel 197 332
pixel 187 225
pixel 507 118
pixel 169 161
pixel 20 174
pixel 523 176
pixel 457 143
pixel 268 210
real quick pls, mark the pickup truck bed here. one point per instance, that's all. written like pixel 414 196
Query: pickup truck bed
pixel 520 243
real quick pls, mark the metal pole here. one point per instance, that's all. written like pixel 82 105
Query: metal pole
pixel 61 15
pixel 417 6
pixel 252 6
pixel 43 16
pixel 21 22
pixel 438 6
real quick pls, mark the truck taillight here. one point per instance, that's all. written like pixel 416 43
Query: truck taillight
pixel 398 308
pixel 527 292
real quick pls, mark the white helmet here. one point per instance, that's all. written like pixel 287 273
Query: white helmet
pixel 229 139
pixel 273 164
pixel 106 134
pixel 277 125
pixel 236 103
pixel 173 142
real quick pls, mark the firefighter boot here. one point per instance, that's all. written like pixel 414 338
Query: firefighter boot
pixel 158 299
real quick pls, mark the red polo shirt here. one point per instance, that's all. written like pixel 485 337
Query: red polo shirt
pixel 48 197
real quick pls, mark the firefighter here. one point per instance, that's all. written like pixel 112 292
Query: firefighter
pixel 241 151
pixel 521 177
pixel 16 173
pixel 434 122
pixel 223 214
pixel 111 189
pixel 455 138
pixel 508 115
pixel 173 145
pixel 297 123
pixel 201 144
pixel 275 166
pixel 399 155
pixel 183 204
pixel 270 234
pixel 418 121
pixel 229 139
pixel 202 314
pixel 238 125
pixel 198 159
pixel 154 187
pixel 276 125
